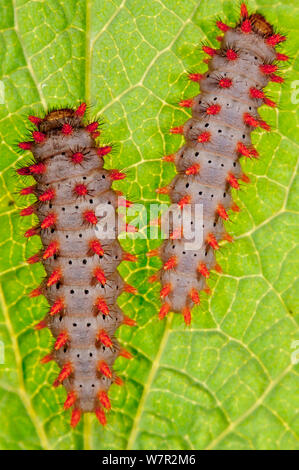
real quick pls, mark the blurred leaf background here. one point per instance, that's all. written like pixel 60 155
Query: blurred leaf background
pixel 227 381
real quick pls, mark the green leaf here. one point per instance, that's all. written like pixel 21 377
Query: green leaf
pixel 228 380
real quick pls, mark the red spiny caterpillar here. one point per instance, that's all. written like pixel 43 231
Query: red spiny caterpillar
pixel 82 283
pixel 223 116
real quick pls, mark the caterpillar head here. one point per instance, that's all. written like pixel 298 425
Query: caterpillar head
pixel 260 25
pixel 57 118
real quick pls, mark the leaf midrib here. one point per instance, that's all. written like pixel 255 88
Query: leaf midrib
pixel 22 390
pixel 27 61
pixel 148 384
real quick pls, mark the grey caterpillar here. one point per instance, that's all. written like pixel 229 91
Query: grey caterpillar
pixel 218 134
pixel 82 283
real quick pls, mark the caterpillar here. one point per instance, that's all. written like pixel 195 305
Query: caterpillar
pixel 218 134
pixel 82 282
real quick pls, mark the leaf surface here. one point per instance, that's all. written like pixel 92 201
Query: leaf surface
pixel 227 381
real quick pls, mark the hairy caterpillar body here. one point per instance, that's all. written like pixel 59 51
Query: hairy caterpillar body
pixel 82 283
pixel 223 116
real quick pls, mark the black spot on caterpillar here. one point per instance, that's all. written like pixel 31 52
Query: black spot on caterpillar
pixel 223 116
pixel 82 283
